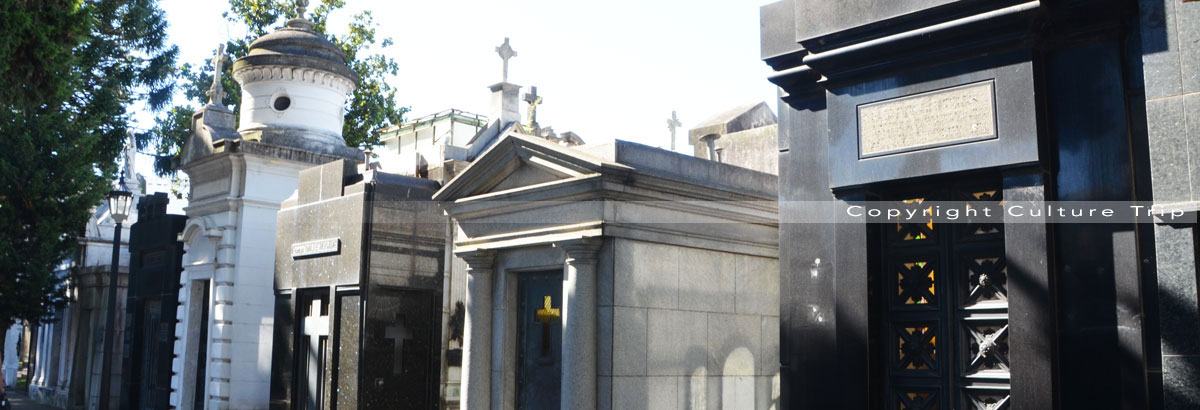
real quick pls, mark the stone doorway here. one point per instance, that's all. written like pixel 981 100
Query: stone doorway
pixel 539 351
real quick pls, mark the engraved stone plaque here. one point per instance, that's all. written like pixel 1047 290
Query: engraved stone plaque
pixel 316 248
pixel 948 116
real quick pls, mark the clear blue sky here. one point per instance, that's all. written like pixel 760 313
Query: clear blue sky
pixel 607 70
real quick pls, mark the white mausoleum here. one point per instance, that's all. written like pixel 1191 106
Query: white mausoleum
pixel 294 86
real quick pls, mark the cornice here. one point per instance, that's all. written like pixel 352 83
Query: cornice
pixel 813 65
pixel 249 74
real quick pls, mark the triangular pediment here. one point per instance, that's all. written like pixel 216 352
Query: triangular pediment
pixel 518 161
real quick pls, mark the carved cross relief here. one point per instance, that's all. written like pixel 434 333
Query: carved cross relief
pixel 398 334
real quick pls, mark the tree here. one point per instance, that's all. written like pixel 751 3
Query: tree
pixel 69 69
pixel 371 108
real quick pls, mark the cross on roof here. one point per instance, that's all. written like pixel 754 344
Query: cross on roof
pixel 216 93
pixel 534 100
pixel 506 52
pixel 532 97
pixel 672 123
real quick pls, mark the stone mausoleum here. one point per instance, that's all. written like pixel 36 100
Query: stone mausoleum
pixel 615 276
pixel 359 274
pixel 991 102
pixel 294 85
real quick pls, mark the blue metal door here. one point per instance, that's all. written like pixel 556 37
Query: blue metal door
pixel 539 350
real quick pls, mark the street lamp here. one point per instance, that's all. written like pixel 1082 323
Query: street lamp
pixel 119 202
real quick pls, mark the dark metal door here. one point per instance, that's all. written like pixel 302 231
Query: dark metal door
pixel 539 350
pixel 150 355
pixel 945 306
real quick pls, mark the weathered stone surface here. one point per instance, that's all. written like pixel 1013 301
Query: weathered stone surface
pixel 629 341
pixel 630 393
pixel 1180 390
pixel 757 285
pixel 706 279
pixel 646 275
pixel 678 342
pixel 733 344
pixel 1168 150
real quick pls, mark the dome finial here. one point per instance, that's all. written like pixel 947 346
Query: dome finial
pixel 300 22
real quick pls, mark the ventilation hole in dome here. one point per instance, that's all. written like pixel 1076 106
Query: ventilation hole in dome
pixel 282 103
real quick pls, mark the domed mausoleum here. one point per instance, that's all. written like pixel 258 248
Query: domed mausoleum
pixel 294 87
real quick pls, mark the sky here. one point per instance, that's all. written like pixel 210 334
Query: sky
pixel 605 70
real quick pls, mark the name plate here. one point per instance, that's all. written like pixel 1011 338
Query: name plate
pixel 320 247
pixel 931 119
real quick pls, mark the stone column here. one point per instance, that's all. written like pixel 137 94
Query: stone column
pixel 477 331
pixel 579 324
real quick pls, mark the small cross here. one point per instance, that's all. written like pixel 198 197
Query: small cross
pixel 506 52
pixel 534 100
pixel 216 93
pixel 397 334
pixel 546 316
pixel 672 123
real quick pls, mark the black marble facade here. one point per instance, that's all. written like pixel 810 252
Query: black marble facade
pixel 1092 104
pixel 156 257
pixel 377 281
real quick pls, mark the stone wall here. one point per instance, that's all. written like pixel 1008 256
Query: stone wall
pixel 689 328
pixel 1170 42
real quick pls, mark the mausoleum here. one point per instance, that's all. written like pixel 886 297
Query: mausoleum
pixel 294 86
pixel 359 280
pixel 615 276
pixel 990 103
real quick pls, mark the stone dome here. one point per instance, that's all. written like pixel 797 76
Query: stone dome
pixel 297 45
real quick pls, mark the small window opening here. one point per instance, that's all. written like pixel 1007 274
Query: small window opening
pixel 282 103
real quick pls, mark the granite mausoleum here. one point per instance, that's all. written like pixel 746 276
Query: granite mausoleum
pixel 615 276
pixel 155 260
pixel 987 102
pixel 359 288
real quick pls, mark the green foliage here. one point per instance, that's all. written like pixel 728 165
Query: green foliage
pixel 371 108
pixel 68 71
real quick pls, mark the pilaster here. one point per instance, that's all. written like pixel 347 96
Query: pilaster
pixel 579 324
pixel 477 343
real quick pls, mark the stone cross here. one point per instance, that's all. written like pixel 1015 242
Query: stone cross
pixel 546 315
pixel 672 123
pixel 506 52
pixel 534 100
pixel 314 327
pixel 216 93
pixel 397 334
